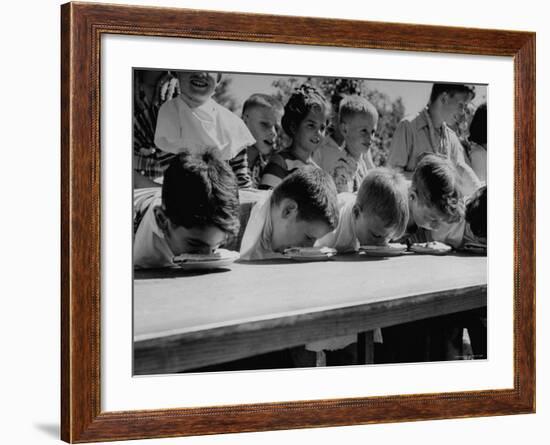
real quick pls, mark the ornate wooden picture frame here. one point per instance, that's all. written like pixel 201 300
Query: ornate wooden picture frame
pixel 82 26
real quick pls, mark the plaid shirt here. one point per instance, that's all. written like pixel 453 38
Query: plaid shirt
pixel 152 162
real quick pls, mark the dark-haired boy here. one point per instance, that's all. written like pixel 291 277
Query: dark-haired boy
pixel 435 198
pixel 429 132
pixel 194 212
pixel 300 210
pixel 262 115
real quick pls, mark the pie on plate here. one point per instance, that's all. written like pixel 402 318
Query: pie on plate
pixel 431 248
pixel 310 253
pixel 392 249
pixel 220 258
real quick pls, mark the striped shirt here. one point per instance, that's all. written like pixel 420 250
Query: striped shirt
pixel 281 165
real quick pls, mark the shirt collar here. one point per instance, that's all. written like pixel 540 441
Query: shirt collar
pixel 424 120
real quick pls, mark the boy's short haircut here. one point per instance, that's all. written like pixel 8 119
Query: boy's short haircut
pixel 304 99
pixel 476 212
pixel 201 190
pixel 315 194
pixel 478 126
pixel 436 182
pixel 352 105
pixel 262 100
pixel 384 193
pixel 451 89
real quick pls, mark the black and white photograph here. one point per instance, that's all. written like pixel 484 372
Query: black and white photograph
pixel 284 221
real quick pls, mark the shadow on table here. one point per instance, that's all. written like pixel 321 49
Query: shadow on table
pixel 145 274
pixel 337 258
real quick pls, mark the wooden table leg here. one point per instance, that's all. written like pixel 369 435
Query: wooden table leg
pixel 365 347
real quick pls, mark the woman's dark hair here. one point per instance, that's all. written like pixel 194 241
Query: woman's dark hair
pixel 201 190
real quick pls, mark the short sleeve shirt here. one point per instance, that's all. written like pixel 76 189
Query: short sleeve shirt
pixel 150 246
pixel 418 135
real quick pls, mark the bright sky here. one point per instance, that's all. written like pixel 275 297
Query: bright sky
pixel 414 94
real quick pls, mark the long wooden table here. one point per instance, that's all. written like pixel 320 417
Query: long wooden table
pixel 184 320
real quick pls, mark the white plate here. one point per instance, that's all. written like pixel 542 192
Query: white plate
pixel 223 258
pixel 431 248
pixel 392 249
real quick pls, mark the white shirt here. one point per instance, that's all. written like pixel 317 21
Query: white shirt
pixel 182 128
pixel 150 247
pixel 343 238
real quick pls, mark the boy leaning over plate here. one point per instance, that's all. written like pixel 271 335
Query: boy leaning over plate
pixel 300 210
pixel 375 215
pixel 435 200
pixel 194 212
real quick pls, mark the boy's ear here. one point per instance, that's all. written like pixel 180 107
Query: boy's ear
pixel 412 195
pixel 356 211
pixel 161 218
pixel 289 208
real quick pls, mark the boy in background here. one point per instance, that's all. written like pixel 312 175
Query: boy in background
pixel 300 210
pixel 348 165
pixel 262 115
pixel 429 132
pixel 194 212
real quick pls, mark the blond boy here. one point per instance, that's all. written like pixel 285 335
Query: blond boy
pixel 377 214
pixel 348 165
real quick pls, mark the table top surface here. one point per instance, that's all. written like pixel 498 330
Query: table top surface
pixel 171 301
